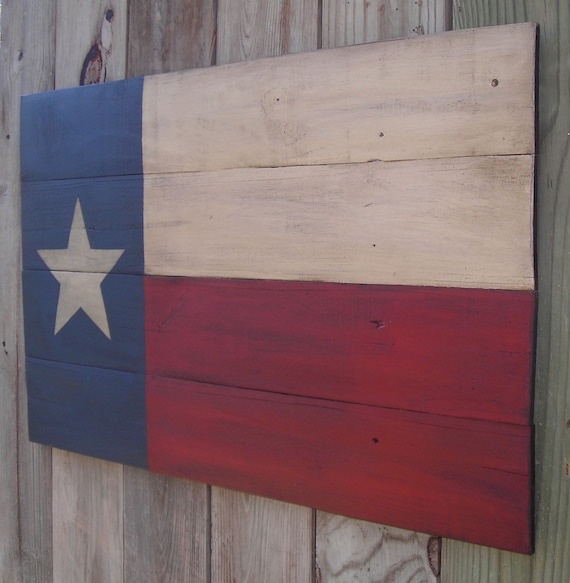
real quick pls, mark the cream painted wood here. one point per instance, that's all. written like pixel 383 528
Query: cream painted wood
pixel 460 222
pixel 397 100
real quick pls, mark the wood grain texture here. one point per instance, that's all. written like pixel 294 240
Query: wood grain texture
pixel 400 100
pixel 170 36
pixel 346 22
pixel 88 520
pixel 251 29
pixel 379 346
pixel 88 493
pixel 166 529
pixel 356 550
pixel 461 223
pixel 167 520
pixel 280 27
pixel 552 396
pixel 10 328
pixel 430 472
pixel 27 65
pixel 90 33
pixel 259 539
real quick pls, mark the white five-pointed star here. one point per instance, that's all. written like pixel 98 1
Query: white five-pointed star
pixel 80 270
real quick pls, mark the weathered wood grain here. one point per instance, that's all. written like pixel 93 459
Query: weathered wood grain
pixel 420 471
pixel 355 550
pixel 552 394
pixel 167 520
pixel 386 101
pixel 251 29
pixel 27 66
pixel 91 42
pixel 347 23
pixel 260 539
pixel 464 222
pixel 361 344
pixel 287 559
pixel 166 529
pixel 170 36
pixel 88 494
pixel 10 328
pixel 88 520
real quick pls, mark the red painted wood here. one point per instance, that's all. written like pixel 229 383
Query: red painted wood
pixel 460 478
pixel 458 352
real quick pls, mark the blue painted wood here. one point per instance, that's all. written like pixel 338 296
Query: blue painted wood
pixel 88 410
pixel 82 131
pixel 112 210
pixel 80 341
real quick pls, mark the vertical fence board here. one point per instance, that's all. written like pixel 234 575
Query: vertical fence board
pixel 88 520
pixel 88 493
pixel 255 540
pixel 34 463
pixel 10 303
pixel 166 529
pixel 170 35
pixel 551 561
pixel 351 549
pixel 166 519
pixel 90 34
pixel 26 66
pixel 346 22
pixel 355 550
pixel 251 29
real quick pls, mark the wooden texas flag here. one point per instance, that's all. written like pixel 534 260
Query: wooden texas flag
pixel 308 277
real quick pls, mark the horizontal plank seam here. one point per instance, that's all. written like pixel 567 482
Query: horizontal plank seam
pixel 317 400
pixel 445 284
pixel 232 168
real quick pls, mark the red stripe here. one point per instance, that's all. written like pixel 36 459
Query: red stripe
pixel 460 478
pixel 457 352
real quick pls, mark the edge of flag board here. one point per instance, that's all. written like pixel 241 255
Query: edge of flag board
pixel 308 277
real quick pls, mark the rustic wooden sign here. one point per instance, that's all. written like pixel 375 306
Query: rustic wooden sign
pixel 308 277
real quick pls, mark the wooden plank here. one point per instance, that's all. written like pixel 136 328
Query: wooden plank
pixel 87 491
pixel 360 344
pixel 466 223
pixel 27 65
pixel 88 519
pixel 463 222
pixel 167 520
pixel 356 550
pixel 326 106
pixel 347 23
pixel 320 453
pixel 261 539
pixel 170 36
pixel 277 529
pixel 343 23
pixel 166 529
pixel 91 45
pixel 252 29
pixel 10 558
pixel 403 112
pixel 463 562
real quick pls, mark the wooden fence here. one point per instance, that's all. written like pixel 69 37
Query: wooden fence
pixel 69 519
